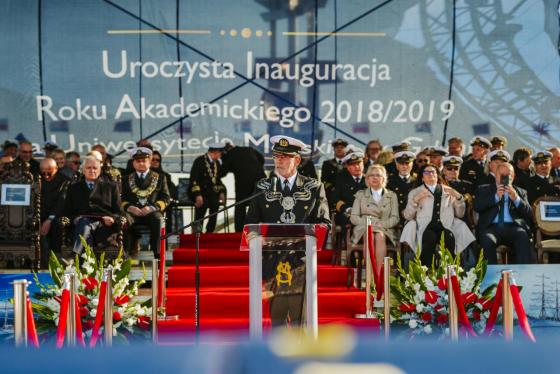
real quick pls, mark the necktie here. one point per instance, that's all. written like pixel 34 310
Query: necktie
pixel 141 178
pixel 357 179
pixel 404 179
pixel 90 185
pixel 286 190
pixel 501 212
pixel 340 162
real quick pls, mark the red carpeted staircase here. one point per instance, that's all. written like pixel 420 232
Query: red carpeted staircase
pixel 224 290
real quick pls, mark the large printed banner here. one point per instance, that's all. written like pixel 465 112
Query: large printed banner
pixel 185 73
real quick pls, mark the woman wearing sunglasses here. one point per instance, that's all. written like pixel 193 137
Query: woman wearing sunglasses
pixel 434 209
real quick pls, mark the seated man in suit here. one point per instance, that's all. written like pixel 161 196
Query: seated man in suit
pixel 145 196
pixel 504 217
pixel 53 192
pixel 92 204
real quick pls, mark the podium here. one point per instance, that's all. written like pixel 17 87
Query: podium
pixel 298 245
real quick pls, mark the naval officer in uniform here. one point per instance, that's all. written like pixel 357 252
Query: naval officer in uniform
pixel 288 198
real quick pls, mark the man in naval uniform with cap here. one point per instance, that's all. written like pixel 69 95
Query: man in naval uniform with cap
pixel 437 153
pixel 397 148
pixel 290 198
pixel 451 167
pixel 145 197
pixel 472 170
pixel 404 181
pixel 331 168
pixel 542 183
pixel 348 182
pixel 206 188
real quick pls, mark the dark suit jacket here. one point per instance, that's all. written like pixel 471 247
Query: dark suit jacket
pixel 53 194
pixel 159 198
pixel 103 200
pixel 472 171
pixel 310 203
pixel 345 189
pixel 401 189
pixel 487 207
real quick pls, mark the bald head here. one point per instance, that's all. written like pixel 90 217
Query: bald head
pixel 48 168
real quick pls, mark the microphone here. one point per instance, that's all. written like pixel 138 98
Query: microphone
pixel 273 182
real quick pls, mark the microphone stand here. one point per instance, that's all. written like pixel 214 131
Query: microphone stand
pixel 197 228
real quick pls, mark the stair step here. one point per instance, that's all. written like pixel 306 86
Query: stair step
pixel 238 275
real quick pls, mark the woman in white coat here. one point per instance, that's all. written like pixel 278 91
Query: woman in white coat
pixel 383 207
pixel 434 209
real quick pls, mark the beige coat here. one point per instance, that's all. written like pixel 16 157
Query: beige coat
pixel 385 211
pixel 420 215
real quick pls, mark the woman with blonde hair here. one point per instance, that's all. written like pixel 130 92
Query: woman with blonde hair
pixel 382 206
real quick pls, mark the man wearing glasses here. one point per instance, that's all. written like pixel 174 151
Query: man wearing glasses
pixel 373 149
pixel 53 193
pixel 25 154
pixel 72 166
pixel 451 167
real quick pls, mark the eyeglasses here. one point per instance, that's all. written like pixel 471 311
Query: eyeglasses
pixel 451 168
pixel 282 156
pixel 429 172
pixel 421 161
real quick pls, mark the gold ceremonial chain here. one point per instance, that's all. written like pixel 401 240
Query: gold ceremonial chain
pixel 213 174
pixel 143 194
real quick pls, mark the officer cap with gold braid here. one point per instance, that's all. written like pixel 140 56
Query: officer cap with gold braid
pixel 452 161
pixel 404 157
pixel 353 158
pixel 499 155
pixel 286 145
pixel 542 156
pixel 438 151
pixel 338 142
pixel 481 141
pixel 499 140
pixel 139 153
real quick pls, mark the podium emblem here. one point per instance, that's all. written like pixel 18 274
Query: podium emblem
pixel 283 273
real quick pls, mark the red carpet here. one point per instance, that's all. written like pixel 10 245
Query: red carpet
pixel 224 292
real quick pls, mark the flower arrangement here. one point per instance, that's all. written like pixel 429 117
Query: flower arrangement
pixel 130 317
pixel 421 294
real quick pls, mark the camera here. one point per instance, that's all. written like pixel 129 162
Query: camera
pixel 504 180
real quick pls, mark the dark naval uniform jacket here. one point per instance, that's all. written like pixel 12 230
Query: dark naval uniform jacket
pixel 329 170
pixel 538 187
pixel 472 171
pixel 463 187
pixel 345 189
pixel 153 191
pixel 400 187
pixel 306 203
pixel 103 200
pixel 206 178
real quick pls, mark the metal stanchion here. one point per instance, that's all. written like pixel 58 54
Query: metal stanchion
pixel 369 269
pixel 71 322
pixel 453 312
pixel 108 312
pixel 387 262
pixel 507 305
pixel 154 299
pixel 20 313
